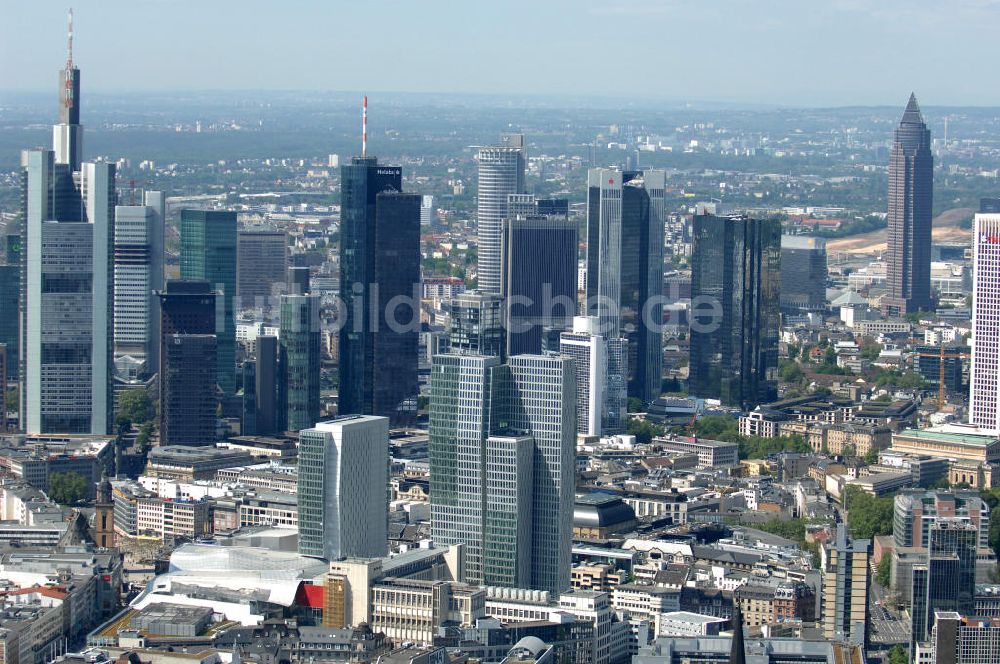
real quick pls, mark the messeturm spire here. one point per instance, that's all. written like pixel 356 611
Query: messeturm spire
pixel 67 135
pixel 912 113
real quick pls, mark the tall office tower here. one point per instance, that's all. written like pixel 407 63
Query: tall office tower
pixel 625 268
pixel 10 302
pixel 379 266
pixel 601 399
pixel 539 274
pixel 266 386
pixel 3 387
pixel 915 511
pixel 138 273
pixel 343 488
pixel 949 575
pixel 67 236
pixel 248 414
pixel 187 389
pixel 187 308
pixel 299 361
pixel 297 281
pixel 735 317
pixel 427 212
pixel 958 639
pixel 501 173
pixel 803 274
pixel 208 252
pixel 984 372
pixel 66 329
pixel 589 353
pixel 911 184
pixel 483 417
pixel 261 262
pixel 476 325
pixel 845 588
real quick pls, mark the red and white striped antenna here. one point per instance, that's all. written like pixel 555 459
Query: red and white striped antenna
pixel 364 126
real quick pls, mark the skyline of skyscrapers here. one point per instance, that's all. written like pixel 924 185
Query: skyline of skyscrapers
pixel 735 318
pixel 911 184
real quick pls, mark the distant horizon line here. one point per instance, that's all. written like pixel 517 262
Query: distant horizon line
pixel 632 101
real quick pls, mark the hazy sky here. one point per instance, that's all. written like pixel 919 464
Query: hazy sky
pixel 795 52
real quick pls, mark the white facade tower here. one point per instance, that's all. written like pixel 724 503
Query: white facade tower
pixel 501 173
pixel 984 373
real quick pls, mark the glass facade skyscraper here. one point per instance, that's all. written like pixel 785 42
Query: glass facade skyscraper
pixel 501 173
pixel 911 184
pixel 483 417
pixel 188 397
pixel 625 268
pixel 735 316
pixel 803 274
pixel 10 299
pixel 299 361
pixel 379 264
pixel 138 274
pixel 343 488
pixel 540 266
pixel 208 252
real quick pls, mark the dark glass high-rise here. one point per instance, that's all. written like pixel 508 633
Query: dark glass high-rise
pixel 379 263
pixel 735 318
pixel 911 183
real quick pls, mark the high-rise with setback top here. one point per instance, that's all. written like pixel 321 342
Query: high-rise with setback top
pixel 502 448
pixel 67 276
pixel 911 183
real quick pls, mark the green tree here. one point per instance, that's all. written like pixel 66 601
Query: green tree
pixel 871 351
pixel 11 399
pixel 67 488
pixel 872 456
pixel 867 516
pixel 789 371
pixel 636 405
pixel 898 655
pixel 142 441
pixel 643 430
pixel 717 427
pixel 135 406
pixel 884 571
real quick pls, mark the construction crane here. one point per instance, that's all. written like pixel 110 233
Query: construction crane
pixel 941 357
